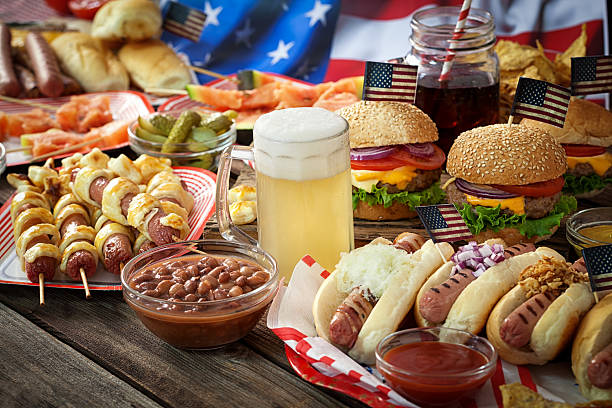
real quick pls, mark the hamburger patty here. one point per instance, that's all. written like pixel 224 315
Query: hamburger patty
pixel 535 207
pixel 423 180
pixel 585 169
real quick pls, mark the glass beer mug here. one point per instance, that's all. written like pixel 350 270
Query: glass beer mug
pixel 304 205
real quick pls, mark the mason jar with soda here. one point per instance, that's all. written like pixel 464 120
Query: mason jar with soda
pixel 469 96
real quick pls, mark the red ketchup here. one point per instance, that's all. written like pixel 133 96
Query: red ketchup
pixel 435 373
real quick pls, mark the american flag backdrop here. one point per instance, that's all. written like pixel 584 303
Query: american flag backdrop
pixel 591 75
pixel 541 100
pixel 324 40
pixel 443 223
pixel 598 261
pixel 389 82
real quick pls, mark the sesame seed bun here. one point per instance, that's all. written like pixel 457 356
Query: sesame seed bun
pixel 586 123
pixel 387 123
pixel 507 155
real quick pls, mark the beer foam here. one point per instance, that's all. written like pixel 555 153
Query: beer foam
pixel 301 144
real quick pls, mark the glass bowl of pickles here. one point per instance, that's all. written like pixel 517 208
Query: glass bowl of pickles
pixel 590 227
pixel 193 137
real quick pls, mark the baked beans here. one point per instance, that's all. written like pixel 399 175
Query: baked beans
pixel 199 279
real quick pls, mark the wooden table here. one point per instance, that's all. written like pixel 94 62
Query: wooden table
pixel 81 353
pixel 85 353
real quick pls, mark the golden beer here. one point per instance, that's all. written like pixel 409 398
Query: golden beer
pixel 304 205
pixel 312 217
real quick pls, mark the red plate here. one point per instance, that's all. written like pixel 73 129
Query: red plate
pixel 124 105
pixel 200 183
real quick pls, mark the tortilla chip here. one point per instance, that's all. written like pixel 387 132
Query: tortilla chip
pixel 518 396
pixel 563 62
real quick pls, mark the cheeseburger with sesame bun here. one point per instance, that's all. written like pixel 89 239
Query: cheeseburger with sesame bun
pixel 395 167
pixel 586 137
pixel 506 183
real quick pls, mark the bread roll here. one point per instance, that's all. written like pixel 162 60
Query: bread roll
pixel 134 20
pixel 152 64
pixel 88 61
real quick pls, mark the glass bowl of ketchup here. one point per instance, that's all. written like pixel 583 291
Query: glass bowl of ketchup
pixel 435 366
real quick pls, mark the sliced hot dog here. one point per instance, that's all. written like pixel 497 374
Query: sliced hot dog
pixel 44 64
pixel 97 188
pixel 117 251
pixel 349 317
pixel 600 368
pixel 517 327
pixel 80 259
pixel 437 301
pixel 9 84
pixel 72 221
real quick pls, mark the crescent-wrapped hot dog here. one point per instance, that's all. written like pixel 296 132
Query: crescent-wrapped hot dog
pixel 462 292
pixel 525 332
pixel 592 352
pixel 371 291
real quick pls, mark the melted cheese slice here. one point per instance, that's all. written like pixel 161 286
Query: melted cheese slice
pixel 601 163
pixel 400 177
pixel 516 204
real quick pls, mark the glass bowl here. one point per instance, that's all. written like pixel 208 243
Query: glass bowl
pixel 437 378
pixel 211 323
pixel 2 158
pixel 185 154
pixel 592 217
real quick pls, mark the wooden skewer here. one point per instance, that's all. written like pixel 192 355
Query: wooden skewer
pixel 84 278
pixel 511 119
pixel 212 73
pixel 19 149
pixel 177 239
pixel 41 288
pixel 66 149
pixel 166 91
pixel 29 103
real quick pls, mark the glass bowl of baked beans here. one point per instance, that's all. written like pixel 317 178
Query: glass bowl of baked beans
pixel 200 294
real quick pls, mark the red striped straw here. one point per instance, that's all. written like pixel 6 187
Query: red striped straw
pixel 457 34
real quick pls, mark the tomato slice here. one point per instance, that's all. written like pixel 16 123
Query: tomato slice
pixel 85 9
pixel 582 150
pixel 400 158
pixel 541 189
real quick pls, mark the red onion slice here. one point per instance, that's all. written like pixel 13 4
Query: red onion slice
pixel 482 191
pixel 372 153
pixel 423 150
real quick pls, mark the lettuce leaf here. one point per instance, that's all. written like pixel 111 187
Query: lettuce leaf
pixel 479 218
pixel 431 195
pixel 578 185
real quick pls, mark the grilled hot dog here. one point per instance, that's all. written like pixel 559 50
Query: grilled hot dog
pixel 9 84
pixel 517 327
pixel 44 64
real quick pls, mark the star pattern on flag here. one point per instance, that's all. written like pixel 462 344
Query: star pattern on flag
pixel 202 63
pixel 281 52
pixel 533 93
pixel 304 69
pixel 212 14
pixel 244 34
pixel 317 14
pixel 380 76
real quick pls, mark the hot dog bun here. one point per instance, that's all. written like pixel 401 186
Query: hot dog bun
pixel 552 332
pixel 391 274
pixel 471 309
pixel 594 333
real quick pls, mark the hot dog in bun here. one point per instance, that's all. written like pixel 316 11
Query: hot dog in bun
pixel 462 292
pixel 371 291
pixel 533 322
pixel 592 352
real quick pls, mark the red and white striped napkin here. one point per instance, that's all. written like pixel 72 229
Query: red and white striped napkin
pixel 290 318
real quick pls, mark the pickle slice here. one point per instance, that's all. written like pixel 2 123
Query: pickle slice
pixel 148 126
pixel 163 122
pixel 181 129
pixel 217 122
pixel 205 136
pixel 151 137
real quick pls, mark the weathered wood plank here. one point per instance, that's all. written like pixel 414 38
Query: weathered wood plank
pixel 107 331
pixel 38 370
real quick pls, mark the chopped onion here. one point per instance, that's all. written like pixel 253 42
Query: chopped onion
pixel 476 257
pixel 372 153
pixel 486 250
pixel 482 190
